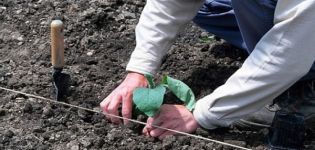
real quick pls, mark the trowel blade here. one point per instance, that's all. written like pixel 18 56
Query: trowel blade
pixel 61 82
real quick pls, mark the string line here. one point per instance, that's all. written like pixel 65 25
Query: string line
pixel 131 120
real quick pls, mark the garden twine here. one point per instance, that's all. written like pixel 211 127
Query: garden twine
pixel 131 120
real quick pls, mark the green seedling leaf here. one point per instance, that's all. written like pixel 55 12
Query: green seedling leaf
pixel 207 39
pixel 150 80
pixel 149 100
pixel 181 90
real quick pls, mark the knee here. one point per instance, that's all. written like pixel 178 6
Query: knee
pixel 236 4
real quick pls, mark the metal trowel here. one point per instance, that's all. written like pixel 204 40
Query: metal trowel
pixel 61 81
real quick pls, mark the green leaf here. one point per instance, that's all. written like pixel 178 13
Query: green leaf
pixel 181 90
pixel 150 80
pixel 148 100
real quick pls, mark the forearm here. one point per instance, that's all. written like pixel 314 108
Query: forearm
pixel 160 22
pixel 281 57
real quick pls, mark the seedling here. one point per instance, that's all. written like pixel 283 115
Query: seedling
pixel 149 100
pixel 207 39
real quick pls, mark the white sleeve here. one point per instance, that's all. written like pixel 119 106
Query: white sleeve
pixel 160 22
pixel 280 58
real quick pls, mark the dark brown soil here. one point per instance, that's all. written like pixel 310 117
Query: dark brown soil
pixel 104 29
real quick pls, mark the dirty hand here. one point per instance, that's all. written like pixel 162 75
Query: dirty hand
pixel 122 95
pixel 176 117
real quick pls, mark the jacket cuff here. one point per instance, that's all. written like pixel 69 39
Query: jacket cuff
pixel 206 118
pixel 143 63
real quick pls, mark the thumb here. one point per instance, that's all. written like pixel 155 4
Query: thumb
pixel 148 126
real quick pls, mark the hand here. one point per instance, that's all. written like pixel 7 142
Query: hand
pixel 176 117
pixel 122 95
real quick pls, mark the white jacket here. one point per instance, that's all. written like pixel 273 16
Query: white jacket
pixel 281 57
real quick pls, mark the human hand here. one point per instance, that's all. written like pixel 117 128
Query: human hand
pixel 176 117
pixel 122 95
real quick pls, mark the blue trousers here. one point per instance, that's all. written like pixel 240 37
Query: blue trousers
pixel 242 23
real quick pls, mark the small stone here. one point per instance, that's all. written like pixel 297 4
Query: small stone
pixel 108 2
pixel 121 28
pixel 139 3
pixel 16 36
pixel 209 145
pixel 20 38
pixel 129 15
pixel 19 11
pixel 73 145
pixel 56 137
pixel 110 137
pixel 43 23
pixel 89 53
pixel 120 17
pixel 9 74
pixel 73 136
pixel 260 147
pixel 123 65
pixel 204 34
pixel 56 3
pixel 185 147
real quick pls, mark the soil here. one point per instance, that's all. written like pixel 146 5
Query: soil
pixel 99 38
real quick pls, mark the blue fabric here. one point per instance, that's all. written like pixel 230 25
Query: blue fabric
pixel 255 18
pixel 242 23
pixel 217 17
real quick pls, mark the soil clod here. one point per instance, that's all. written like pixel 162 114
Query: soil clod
pixel 48 112
pixel 8 133
pixel 2 112
pixel 27 108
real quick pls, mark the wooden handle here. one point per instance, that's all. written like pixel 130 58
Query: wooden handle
pixel 57 44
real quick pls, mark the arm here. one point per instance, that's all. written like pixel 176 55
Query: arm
pixel 281 58
pixel 160 22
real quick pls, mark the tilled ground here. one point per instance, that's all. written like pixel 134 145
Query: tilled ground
pixel 99 40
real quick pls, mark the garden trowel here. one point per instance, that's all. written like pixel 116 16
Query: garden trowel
pixel 61 81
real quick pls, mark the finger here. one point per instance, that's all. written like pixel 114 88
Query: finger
pixel 158 131
pixel 104 106
pixel 146 132
pixel 127 108
pixel 148 126
pixel 113 109
pixel 151 122
pixel 166 134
